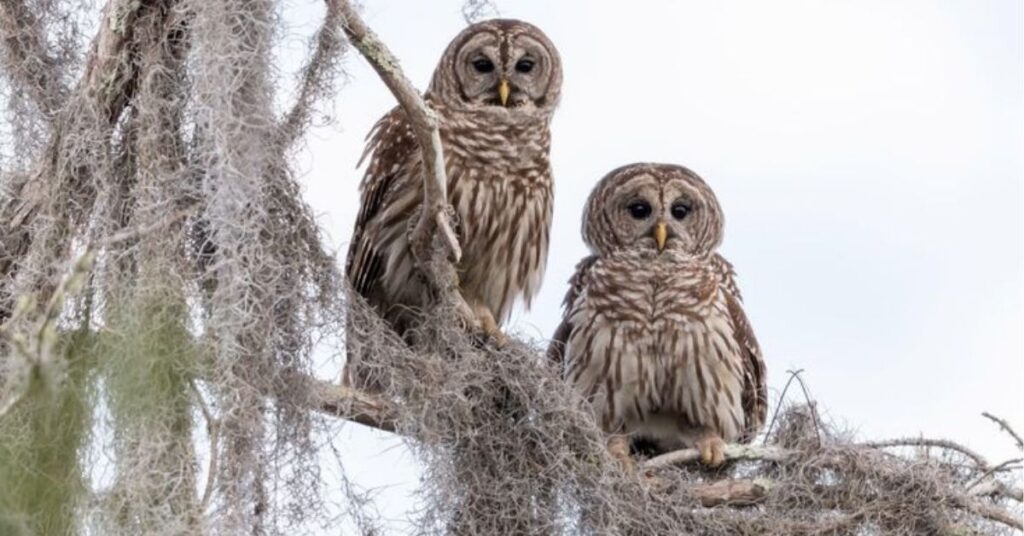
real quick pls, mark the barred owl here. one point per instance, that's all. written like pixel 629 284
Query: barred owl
pixel 494 91
pixel 654 334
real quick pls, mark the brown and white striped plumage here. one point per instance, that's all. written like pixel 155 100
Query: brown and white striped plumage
pixel 494 91
pixel 656 339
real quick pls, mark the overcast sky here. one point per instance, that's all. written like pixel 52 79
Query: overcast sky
pixel 867 154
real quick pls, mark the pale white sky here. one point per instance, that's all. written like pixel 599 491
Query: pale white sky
pixel 869 156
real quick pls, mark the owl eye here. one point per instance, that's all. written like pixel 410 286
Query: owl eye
pixel 524 65
pixel 680 210
pixel 639 210
pixel 483 65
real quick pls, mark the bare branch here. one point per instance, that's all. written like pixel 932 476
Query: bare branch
pixel 434 218
pixel 733 452
pixel 1006 428
pixel 740 492
pixel 356 406
pixel 421 118
pixel 938 443
pixel 991 512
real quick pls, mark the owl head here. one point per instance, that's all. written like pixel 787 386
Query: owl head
pixel 655 208
pixel 499 64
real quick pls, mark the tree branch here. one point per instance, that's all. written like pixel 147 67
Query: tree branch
pixel 938 443
pixel 991 512
pixel 739 492
pixel 733 452
pixel 434 214
pixel 421 118
pixel 352 405
pixel 1006 428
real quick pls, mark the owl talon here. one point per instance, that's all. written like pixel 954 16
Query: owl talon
pixel 712 450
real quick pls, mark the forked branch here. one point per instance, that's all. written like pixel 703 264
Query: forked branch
pixel 434 218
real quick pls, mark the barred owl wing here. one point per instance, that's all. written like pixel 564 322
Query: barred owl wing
pixel 755 389
pixel 389 144
pixel 556 349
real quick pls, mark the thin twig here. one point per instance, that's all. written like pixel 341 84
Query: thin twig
pixel 778 407
pixel 795 375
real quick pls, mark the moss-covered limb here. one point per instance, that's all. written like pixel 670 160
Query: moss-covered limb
pixel 433 241
pixel 40 445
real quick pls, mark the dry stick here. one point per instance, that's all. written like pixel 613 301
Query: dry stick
pixel 990 511
pixel 1006 428
pixel 433 219
pixel 352 405
pixel 939 443
pixel 995 486
pixel 740 492
pixel 733 452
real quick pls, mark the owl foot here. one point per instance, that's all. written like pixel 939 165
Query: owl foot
pixel 712 449
pixel 490 326
pixel 618 447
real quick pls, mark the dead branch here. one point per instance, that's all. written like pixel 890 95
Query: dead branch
pixel 353 405
pixel 740 492
pixel 733 452
pixel 991 487
pixel 434 215
pixel 990 511
pixel 937 443
pixel 1005 427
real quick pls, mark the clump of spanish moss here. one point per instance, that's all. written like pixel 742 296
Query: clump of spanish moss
pixel 160 151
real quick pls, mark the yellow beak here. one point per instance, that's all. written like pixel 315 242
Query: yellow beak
pixel 661 235
pixel 503 91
